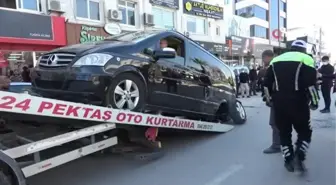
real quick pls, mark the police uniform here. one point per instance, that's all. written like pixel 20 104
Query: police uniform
pixel 290 81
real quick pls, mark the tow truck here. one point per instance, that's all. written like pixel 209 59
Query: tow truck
pixel 27 149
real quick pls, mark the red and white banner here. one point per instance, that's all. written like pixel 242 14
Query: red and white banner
pixel 27 104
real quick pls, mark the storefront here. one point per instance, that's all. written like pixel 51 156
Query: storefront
pixel 258 49
pixel 214 48
pixel 24 37
pixel 80 33
pixel 165 13
pixel 240 48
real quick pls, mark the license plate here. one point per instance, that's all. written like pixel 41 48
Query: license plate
pixel 83 77
pixel 47 76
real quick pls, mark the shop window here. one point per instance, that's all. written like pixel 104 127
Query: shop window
pixel 163 18
pixel 30 5
pixel 34 5
pixel 8 4
pixel 196 25
pixel 128 9
pixel 88 9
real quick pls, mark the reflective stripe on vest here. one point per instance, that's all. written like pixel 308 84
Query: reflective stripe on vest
pixel 293 56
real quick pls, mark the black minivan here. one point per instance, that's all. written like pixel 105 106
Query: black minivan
pixel 148 71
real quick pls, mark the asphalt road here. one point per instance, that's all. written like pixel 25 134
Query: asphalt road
pixel 233 158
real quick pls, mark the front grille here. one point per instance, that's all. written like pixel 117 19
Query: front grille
pixel 48 84
pixel 56 60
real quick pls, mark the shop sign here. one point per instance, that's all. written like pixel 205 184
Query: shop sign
pixel 26 26
pixel 215 48
pixel 203 9
pixel 260 48
pixel 112 28
pixel 240 46
pixel 174 4
pixel 90 34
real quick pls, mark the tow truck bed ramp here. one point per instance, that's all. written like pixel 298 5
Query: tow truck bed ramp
pixel 104 120
pixel 32 105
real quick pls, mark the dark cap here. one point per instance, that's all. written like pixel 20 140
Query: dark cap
pixel 267 53
pixel 325 58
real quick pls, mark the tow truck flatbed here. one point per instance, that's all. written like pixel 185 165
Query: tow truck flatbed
pixel 103 120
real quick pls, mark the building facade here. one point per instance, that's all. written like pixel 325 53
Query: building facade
pixel 27 30
pixel 268 20
pixel 80 21
pixel 313 35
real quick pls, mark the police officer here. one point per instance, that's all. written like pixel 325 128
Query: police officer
pixel 290 81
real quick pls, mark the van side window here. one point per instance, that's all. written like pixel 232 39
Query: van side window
pixel 199 60
pixel 178 45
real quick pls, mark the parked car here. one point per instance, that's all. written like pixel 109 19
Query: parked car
pixel 239 69
pixel 19 87
pixel 131 71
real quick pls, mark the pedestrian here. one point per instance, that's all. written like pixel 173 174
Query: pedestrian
pixel 253 81
pixel 267 56
pixel 327 72
pixel 244 83
pixel 25 74
pixel 236 72
pixel 291 81
pixel 4 83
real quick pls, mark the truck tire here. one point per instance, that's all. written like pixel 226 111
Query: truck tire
pixel 4 180
pixel 238 113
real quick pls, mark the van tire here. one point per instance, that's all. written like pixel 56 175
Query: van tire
pixel 4 179
pixel 238 113
pixel 110 96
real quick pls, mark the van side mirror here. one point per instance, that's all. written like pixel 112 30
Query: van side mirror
pixel 164 53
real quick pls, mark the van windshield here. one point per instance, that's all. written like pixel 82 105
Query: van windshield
pixel 136 36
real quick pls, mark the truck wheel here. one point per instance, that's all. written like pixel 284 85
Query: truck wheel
pixel 127 91
pixel 4 180
pixel 238 113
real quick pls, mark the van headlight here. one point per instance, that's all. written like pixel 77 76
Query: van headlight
pixel 95 59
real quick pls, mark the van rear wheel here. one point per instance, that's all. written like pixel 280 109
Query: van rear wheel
pixel 238 113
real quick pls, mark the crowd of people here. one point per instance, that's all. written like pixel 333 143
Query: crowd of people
pixel 17 76
pixel 249 81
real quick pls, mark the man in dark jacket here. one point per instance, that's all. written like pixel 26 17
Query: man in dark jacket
pixel 267 56
pixel 327 72
pixel 253 81
pixel 244 83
